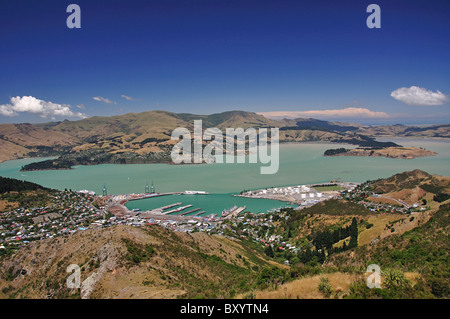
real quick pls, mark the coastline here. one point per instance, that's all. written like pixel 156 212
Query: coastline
pixel 381 138
pixel 389 152
pixel 293 143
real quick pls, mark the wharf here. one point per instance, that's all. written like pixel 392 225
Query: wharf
pixel 190 211
pixel 235 212
pixel 179 209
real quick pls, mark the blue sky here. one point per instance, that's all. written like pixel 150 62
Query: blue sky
pixel 296 58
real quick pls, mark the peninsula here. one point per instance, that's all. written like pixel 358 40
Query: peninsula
pixel 389 152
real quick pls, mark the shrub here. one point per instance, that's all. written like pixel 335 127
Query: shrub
pixel 325 287
pixel 137 253
pixel 394 278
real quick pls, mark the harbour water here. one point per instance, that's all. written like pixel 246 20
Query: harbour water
pixel 210 204
pixel 299 164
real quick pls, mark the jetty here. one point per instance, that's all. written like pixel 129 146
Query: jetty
pixel 233 212
pixel 161 209
pixel 179 209
pixel 190 211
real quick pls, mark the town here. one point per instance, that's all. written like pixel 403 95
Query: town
pixel 73 211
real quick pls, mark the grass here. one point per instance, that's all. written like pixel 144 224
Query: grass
pixel 137 253
pixel 383 200
pixel 307 288
pixel 328 188
pixel 379 223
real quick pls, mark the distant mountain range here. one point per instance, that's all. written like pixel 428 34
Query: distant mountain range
pixel 140 134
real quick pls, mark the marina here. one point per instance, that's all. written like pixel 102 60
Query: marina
pixel 297 196
pixel 204 205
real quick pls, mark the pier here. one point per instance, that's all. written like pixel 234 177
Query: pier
pixel 179 209
pixel 116 205
pixel 170 206
pixel 161 209
pixel 235 212
pixel 190 211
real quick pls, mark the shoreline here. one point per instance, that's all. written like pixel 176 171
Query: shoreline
pixel 290 143
pixel 118 202
pixel 299 195
pixel 388 152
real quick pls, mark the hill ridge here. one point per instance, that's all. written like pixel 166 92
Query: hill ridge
pixel 127 132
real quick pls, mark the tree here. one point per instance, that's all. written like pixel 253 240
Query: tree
pixel 269 251
pixel 354 228
pixel 353 234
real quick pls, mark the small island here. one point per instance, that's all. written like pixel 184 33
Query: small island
pixel 389 152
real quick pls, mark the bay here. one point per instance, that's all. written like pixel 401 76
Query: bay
pixel 210 204
pixel 300 163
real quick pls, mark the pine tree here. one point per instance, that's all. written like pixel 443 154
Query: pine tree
pixel 354 234
pixel 269 251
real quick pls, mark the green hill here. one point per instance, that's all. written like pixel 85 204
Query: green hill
pixel 15 185
pixel 423 250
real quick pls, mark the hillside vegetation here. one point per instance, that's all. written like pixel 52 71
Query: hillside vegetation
pixel 12 184
pixel 15 193
pixel 335 241
pixel 129 262
pixel 414 187
pixel 423 250
pixel 339 239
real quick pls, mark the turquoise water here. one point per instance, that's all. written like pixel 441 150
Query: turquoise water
pixel 299 164
pixel 211 204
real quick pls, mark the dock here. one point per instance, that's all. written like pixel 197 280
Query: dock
pixel 161 209
pixel 169 206
pixel 179 209
pixel 235 212
pixel 190 211
pixel 199 213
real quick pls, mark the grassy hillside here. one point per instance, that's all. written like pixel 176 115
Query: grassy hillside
pixel 401 181
pixel 319 252
pixel 413 187
pixel 15 193
pixel 423 250
pixel 129 262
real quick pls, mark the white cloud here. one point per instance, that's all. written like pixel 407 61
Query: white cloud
pixel 129 98
pixel 349 112
pixel 7 110
pixel 30 104
pixel 419 96
pixel 103 99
